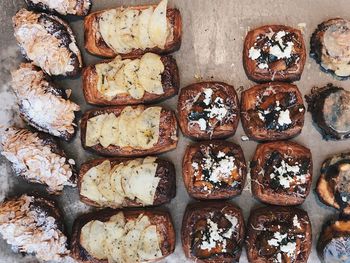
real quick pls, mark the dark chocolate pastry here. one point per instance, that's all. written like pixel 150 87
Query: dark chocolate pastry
pixel 214 170
pixel 330 47
pixel 212 232
pixel 278 234
pixel 330 109
pixel 272 111
pixel 281 173
pixel 274 53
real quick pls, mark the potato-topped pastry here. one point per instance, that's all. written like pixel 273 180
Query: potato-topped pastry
pixel 274 53
pixel 133 31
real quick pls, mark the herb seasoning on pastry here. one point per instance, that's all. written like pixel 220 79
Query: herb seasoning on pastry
pixel 278 234
pixel 48 42
pixel 146 79
pixel 42 104
pixel 334 241
pixel 214 170
pixel 38 159
pixel 133 31
pixel 62 7
pixel 330 109
pixel 208 110
pixel 333 185
pixel 281 173
pixel 32 225
pixel 274 53
pixel 127 182
pixel 330 47
pixel 212 232
pixel 129 130
pixel 272 111
pixel 123 236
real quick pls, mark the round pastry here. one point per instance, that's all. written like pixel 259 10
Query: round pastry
pixel 333 185
pixel 330 47
pixel 214 170
pixel 212 232
pixel 330 109
pixel 281 173
pixel 208 110
pixel 278 234
pixel 272 111
pixel 334 242
pixel 274 53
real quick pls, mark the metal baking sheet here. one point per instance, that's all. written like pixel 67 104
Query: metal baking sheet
pixel 213 34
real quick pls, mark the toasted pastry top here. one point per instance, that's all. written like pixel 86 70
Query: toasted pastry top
pixel 37 160
pixel 47 41
pixel 30 225
pixel 40 101
pixel 63 7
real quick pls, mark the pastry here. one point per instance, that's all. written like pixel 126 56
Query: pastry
pixel 146 79
pixel 208 110
pixel 214 170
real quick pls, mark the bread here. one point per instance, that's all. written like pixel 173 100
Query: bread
pixel 333 242
pixel 154 183
pixel 333 184
pixel 272 111
pixel 274 53
pixel 32 225
pixel 214 170
pixel 329 46
pixel 329 106
pixel 212 232
pixel 65 7
pixel 38 158
pixel 42 104
pixel 138 130
pixel 96 44
pixel 150 92
pixel 278 234
pixel 208 110
pixel 281 173
pixel 163 243
pixel 48 42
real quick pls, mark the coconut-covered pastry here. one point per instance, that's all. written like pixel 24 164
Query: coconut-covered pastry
pixel 42 104
pixel 330 109
pixel 48 42
pixel 274 53
pixel 62 7
pixel 330 47
pixel 32 225
pixel 38 159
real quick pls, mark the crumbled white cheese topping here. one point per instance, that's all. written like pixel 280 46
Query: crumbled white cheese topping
pixel 277 241
pixel 284 118
pixel 296 222
pixel 286 174
pixel 254 53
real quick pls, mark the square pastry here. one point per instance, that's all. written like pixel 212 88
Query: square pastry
pixel 274 53
pixel 214 170
pixel 278 234
pixel 212 232
pixel 208 110
pixel 272 111
pixel 281 173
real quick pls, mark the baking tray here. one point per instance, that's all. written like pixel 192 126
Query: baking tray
pixel 213 34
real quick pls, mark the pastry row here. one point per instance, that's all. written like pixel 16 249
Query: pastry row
pixel 211 232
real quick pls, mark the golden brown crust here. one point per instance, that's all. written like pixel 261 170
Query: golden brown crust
pixel 262 97
pixel 166 188
pixel 263 224
pixel 170 83
pixel 193 217
pixel 167 134
pixel 263 186
pixel 277 70
pixel 161 219
pixel 201 189
pixel 96 45
pixel 221 129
